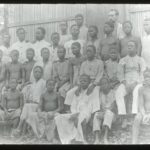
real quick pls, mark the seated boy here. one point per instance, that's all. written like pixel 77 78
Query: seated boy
pixel 60 74
pixel 131 70
pixel 75 64
pixel 14 69
pixel 111 67
pixel 104 117
pixel 31 104
pixel 143 116
pixel 72 126
pixel 28 65
pixel 12 104
pixel 43 123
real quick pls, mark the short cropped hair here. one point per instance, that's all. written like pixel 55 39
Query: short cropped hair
pixel 95 27
pixel 42 29
pixel 110 24
pixel 85 75
pixel 77 44
pixel 19 30
pixel 30 49
pixel 128 21
pixel 61 46
pixel 54 33
pixel 116 11
pixel 79 15
pixel 73 26
pixel 93 47
pixel 49 80
pixel 44 49
pixel 14 50
pixel 39 68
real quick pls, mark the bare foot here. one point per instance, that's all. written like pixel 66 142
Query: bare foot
pixel 96 142
pixel 105 141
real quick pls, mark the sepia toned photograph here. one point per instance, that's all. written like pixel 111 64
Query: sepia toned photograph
pixel 75 74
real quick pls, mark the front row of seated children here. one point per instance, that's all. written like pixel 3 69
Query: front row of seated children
pixel 82 90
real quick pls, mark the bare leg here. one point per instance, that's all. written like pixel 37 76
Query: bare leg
pixel 135 128
pixel 106 135
pixel 97 140
pixel 84 128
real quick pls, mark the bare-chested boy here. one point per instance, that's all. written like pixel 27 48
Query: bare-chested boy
pixel 143 115
pixel 60 74
pixel 14 69
pixel 127 28
pixel 104 117
pixel 108 41
pixel 28 65
pixel 75 64
pixel 12 103
pixel 43 123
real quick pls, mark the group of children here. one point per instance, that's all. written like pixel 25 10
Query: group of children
pixel 55 91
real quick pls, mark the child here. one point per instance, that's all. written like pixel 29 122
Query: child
pixel 111 67
pixel 61 74
pixel 108 41
pixel 37 88
pixel 46 64
pixel 55 38
pixel 43 123
pixel 75 64
pixel 92 67
pixel 105 116
pixel 28 65
pixel 93 38
pixel 12 104
pixel 75 38
pixel 72 126
pixel 143 116
pixel 127 28
pixel 131 70
pixel 64 36
pixel 15 69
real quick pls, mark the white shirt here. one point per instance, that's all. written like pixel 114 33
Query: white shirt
pixel 38 45
pixel 53 53
pixel 6 54
pixel 64 38
pixel 21 47
pixel 146 50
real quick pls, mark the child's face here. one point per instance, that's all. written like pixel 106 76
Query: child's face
pixel 147 26
pixel 39 35
pixel 127 28
pixel 13 83
pixel 21 35
pixel 90 52
pixel 55 38
pixel 61 53
pixel 84 82
pixel 108 29
pixel 79 21
pixel 92 32
pixel 113 54
pixel 75 31
pixel 14 56
pixel 45 53
pixel 112 16
pixel 63 26
pixel 50 86
pixel 131 48
pixel 29 55
pixel 75 49
pixel 37 73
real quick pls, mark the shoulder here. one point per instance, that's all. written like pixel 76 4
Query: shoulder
pixel 123 60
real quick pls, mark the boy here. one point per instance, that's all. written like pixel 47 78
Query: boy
pixel 55 38
pixel 75 64
pixel 108 41
pixel 143 116
pixel 72 126
pixel 12 104
pixel 131 70
pixel 111 67
pixel 43 123
pixel 14 69
pixel 22 44
pixel 46 64
pixel 127 28
pixel 40 42
pixel 61 74
pixel 79 19
pixel 92 67
pixel 105 116
pixel 75 38
pixel 35 91
pixel 64 36
pixel 28 65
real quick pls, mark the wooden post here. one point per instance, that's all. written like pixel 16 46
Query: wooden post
pixel 6 18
